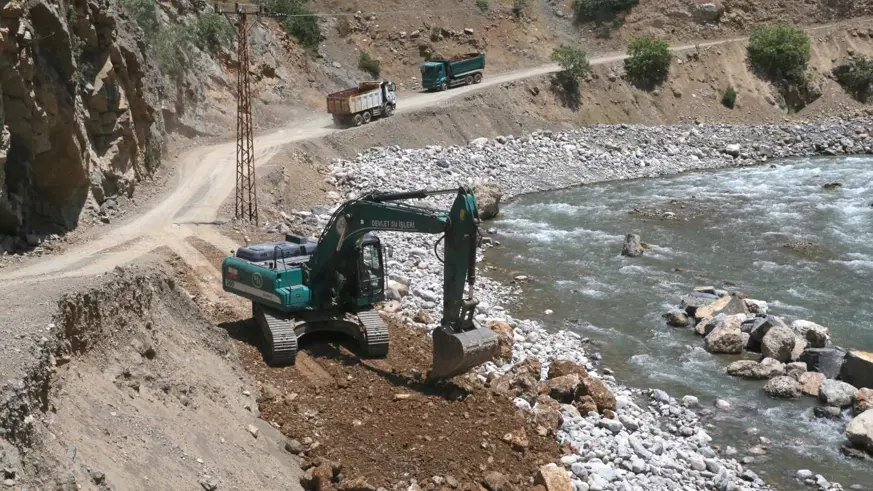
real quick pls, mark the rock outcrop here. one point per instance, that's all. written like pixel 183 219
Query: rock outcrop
pixel 80 118
pixel 860 431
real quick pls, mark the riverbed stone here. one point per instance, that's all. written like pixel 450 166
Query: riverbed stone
pixel 632 246
pixel 602 396
pixel 766 369
pixel 837 393
pixel 563 389
pixel 726 337
pixel 827 412
pixel 795 369
pixel 860 431
pixel 778 344
pixel 553 478
pixel 828 361
pixel 783 387
pixel 857 369
pixel 677 318
pixel 863 400
pixel 810 383
pixel 559 368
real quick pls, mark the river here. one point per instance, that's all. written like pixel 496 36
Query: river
pixel 772 231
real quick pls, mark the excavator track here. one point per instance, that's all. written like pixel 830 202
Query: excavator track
pixel 375 334
pixel 279 336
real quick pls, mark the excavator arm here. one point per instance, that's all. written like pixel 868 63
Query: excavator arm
pixel 458 345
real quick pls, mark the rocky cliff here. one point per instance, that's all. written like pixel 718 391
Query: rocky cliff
pixel 80 114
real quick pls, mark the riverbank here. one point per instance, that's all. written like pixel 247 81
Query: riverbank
pixel 672 449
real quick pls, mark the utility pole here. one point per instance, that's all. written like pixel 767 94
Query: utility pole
pixel 246 185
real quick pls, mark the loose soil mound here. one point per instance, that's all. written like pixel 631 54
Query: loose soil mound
pixel 382 422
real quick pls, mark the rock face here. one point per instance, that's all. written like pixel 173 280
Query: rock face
pixel 857 369
pixel 778 344
pixel 725 338
pixel 488 196
pixel 785 387
pixel 828 361
pixel 860 431
pixel 80 113
pixel 836 393
pixel 632 246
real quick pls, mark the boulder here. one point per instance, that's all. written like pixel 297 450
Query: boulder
pixel 837 393
pixel 810 383
pixel 795 369
pixel 778 344
pixel 632 246
pixel 817 337
pixel 728 305
pixel 860 431
pixel 863 401
pixel 505 338
pixel 768 368
pixel 712 12
pixel 488 196
pixel 563 389
pixel 705 326
pixel 799 345
pixel 827 361
pixel 857 369
pixel 827 412
pixel 726 337
pixel 553 478
pixel 559 368
pixel 763 325
pixel 801 327
pixel 602 396
pixel 784 387
pixel 757 307
pixel 690 303
pixel 677 318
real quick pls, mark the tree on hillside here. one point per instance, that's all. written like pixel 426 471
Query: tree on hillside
pixel 600 10
pixel 779 53
pixel 296 22
pixel 574 66
pixel 856 77
pixel 648 61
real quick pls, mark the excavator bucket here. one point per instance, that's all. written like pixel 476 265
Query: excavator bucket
pixel 457 353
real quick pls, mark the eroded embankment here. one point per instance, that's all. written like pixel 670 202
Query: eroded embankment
pixel 135 389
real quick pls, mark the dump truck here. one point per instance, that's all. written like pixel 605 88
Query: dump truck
pixel 299 287
pixel 359 105
pixel 442 73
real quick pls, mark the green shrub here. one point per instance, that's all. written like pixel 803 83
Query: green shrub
pixel 781 52
pixel 599 10
pixel 521 8
pixel 170 48
pixel 729 98
pixel 369 64
pixel 304 29
pixel 648 61
pixel 574 66
pixel 856 77
pixel 483 5
pixel 145 14
pixel 212 32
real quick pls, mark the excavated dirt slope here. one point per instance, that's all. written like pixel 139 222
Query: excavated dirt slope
pixel 140 392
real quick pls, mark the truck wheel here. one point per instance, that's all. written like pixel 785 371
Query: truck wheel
pixel 468 80
pixel 389 111
pixel 444 86
pixel 367 117
pixel 357 120
pixel 477 78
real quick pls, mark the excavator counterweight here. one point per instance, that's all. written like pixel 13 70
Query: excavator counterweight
pixel 299 287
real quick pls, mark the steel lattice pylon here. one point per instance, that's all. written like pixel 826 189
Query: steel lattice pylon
pixel 246 184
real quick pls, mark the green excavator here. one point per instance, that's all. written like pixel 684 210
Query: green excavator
pixel 298 287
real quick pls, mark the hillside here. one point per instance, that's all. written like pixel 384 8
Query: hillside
pixel 95 95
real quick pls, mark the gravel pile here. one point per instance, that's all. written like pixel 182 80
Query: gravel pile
pixel 661 446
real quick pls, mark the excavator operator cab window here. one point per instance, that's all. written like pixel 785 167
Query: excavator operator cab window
pixel 370 272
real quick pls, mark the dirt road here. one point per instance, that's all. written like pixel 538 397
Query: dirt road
pixel 206 178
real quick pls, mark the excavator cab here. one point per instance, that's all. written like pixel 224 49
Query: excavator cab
pixel 370 272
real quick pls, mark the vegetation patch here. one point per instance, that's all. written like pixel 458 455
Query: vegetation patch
pixel 482 5
pixel 521 8
pixel 574 68
pixel 297 21
pixel 729 98
pixel 856 77
pixel 369 64
pixel 648 61
pixel 601 10
pixel 779 53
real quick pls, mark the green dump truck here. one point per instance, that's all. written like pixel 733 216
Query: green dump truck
pixel 442 73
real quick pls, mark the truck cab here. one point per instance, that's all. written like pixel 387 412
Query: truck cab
pixel 389 93
pixel 433 75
